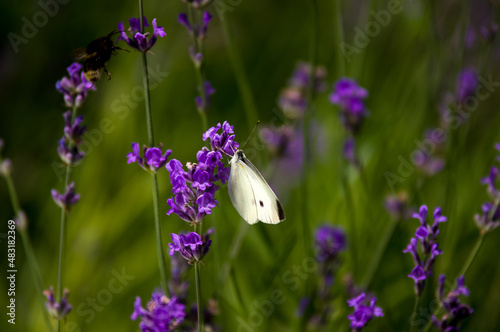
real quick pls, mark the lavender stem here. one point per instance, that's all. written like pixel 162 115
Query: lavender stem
pixel 154 180
pixel 197 229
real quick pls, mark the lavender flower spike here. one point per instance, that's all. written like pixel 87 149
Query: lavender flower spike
pixel 454 310
pixel 153 158
pixel 75 87
pixel 140 41
pixel 192 246
pixel 57 310
pixel 426 235
pixel 161 313
pixel 363 313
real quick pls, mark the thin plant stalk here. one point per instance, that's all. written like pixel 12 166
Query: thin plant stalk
pixel 154 179
pixel 473 254
pixel 415 309
pixel 197 229
pixel 62 234
pixel 200 76
pixel 30 256
pixel 241 76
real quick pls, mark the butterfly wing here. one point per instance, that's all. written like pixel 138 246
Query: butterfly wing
pixel 241 192
pixel 269 209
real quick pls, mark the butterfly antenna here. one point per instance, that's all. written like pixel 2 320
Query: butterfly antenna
pixel 254 127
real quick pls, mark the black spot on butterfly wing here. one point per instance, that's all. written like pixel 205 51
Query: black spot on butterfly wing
pixel 261 203
pixel 281 213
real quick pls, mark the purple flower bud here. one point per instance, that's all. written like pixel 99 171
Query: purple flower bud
pixel 5 167
pixel 183 19
pixel 74 88
pixel 21 221
pixel 153 158
pixel 141 41
pixel 206 19
pixel 349 96
pixel 363 313
pixel 467 84
pixel 192 246
pixel 454 310
pixel 68 199
pixel 57 310
pixel 208 90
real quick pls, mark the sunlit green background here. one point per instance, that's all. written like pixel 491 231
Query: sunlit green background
pixel 406 68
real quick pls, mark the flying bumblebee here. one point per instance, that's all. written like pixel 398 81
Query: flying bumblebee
pixel 95 56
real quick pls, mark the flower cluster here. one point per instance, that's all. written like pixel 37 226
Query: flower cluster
pixel 57 310
pixel 490 217
pixel 138 40
pixel 199 32
pixel 349 96
pixel 192 246
pixel 293 99
pixel 162 313
pixel 466 85
pixel 194 189
pixel 426 234
pixel 75 87
pixel 68 199
pixel 329 242
pixel 69 145
pixel 454 310
pixel 397 205
pixel 363 313
pixel 153 158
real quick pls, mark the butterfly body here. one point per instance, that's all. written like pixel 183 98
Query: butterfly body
pixel 250 193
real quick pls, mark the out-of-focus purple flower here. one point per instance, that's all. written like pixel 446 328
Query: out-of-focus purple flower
pixel 153 158
pixel 140 41
pixel 161 313
pixel 330 241
pixel 302 74
pixel 489 31
pixel 293 102
pixel 73 131
pixel 303 304
pixel 350 97
pixel 177 285
pixel 207 17
pixel 454 310
pixel 192 246
pixel 350 152
pixel 363 313
pixel 68 199
pixel 57 310
pixel 467 84
pixel 75 87
pixel 224 141
pixel 489 219
pixel 397 205
pixel 5 167
pixel 491 182
pixel 184 20
pixel 208 90
pixel 426 234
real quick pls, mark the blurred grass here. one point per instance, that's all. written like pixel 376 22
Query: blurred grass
pixel 406 69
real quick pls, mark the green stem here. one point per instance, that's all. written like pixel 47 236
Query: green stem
pixel 379 254
pixel 154 180
pixel 340 36
pixel 197 229
pixel 241 76
pixel 473 254
pixel 415 309
pixel 30 256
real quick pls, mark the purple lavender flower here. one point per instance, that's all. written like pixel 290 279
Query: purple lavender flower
pixel 140 41
pixel 349 152
pixel 5 167
pixel 153 158
pixel 199 32
pixel 183 19
pixel 349 96
pixel 330 241
pixel 57 310
pixel 68 199
pixel 489 31
pixel 397 205
pixel 162 313
pixel 207 17
pixel 426 234
pixel 454 310
pixel 293 103
pixel 467 84
pixel 208 90
pixel 222 142
pixel 497 146
pixel 491 180
pixel 69 146
pixel 75 87
pixel 362 313
pixel 192 246
pixel 302 74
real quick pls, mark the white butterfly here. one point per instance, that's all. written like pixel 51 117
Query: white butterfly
pixel 250 194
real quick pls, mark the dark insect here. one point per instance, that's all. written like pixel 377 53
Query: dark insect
pixel 95 56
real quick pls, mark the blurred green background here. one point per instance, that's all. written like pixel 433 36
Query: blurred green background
pixel 406 68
